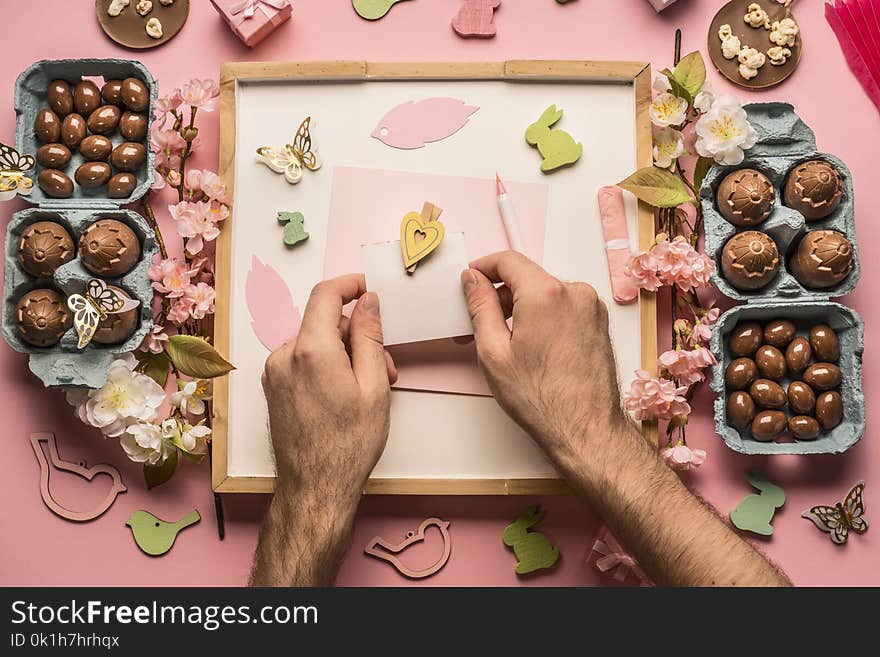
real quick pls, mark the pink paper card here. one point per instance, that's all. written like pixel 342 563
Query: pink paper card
pixel 366 206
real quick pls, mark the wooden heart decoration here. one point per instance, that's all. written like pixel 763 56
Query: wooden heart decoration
pixel 419 238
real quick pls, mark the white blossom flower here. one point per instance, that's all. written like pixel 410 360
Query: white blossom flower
pixel 724 132
pixel 668 146
pixel 191 396
pixel 661 84
pixel 150 443
pixel 194 439
pixel 704 98
pixel 668 110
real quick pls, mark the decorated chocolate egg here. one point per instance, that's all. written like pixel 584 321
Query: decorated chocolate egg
pixel 822 259
pixel 43 247
pixel 109 248
pixel 42 317
pixel 814 189
pixel 745 197
pixel 749 260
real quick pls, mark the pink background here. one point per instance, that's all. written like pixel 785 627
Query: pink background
pixel 37 548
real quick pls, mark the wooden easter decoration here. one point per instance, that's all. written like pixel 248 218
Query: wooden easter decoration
pixel 291 158
pixel 13 173
pixel 837 520
pixel 155 536
pixel 389 551
pixel 532 549
pixel 474 18
pixel 55 462
pixel 557 147
pixel 755 512
pixel 420 235
pixel 90 310
pixel 373 10
pixel 294 232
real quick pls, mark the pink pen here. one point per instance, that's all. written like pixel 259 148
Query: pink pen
pixel 508 216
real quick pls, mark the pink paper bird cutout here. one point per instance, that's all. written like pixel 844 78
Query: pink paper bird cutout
pixel 275 318
pixel 855 23
pixel 474 18
pixel 412 124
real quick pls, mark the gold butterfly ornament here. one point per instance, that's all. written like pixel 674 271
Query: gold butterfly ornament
pixel 93 308
pixel 291 158
pixel 13 166
pixel 844 516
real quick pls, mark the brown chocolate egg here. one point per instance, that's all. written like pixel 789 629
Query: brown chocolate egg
pixel 92 174
pixel 822 376
pixel 128 156
pixel 829 409
pixel 768 425
pixel 42 317
pixel 798 355
pixel 135 95
pixel 59 97
pixel 116 329
pixel 803 427
pixel 86 97
pixel 801 398
pixel 47 126
pixel 740 409
pixel 823 258
pixel 749 260
pixel 745 339
pixel 814 189
pixel 104 120
pixel 73 130
pixel 745 197
pixel 43 247
pixel 133 126
pixel 767 394
pixel 121 185
pixel 109 248
pixel 771 362
pixel 740 374
pixel 95 148
pixel 825 344
pixel 111 92
pixel 779 333
pixel 53 156
pixel 55 183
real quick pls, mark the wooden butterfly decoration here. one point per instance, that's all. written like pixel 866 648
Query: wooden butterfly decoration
pixel 13 166
pixel 839 519
pixel 93 308
pixel 291 158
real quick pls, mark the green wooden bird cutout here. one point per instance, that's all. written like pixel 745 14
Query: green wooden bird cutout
pixel 373 10
pixel 294 232
pixel 155 536
pixel 754 512
pixel 533 550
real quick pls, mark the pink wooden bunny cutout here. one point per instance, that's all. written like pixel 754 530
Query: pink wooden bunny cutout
pixel 474 18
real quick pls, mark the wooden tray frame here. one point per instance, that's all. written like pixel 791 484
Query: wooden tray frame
pixel 636 73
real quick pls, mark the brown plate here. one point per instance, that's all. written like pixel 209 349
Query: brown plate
pixel 129 28
pixel 753 37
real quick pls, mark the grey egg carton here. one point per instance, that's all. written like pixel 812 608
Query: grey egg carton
pixel 784 141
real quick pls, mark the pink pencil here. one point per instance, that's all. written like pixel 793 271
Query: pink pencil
pixel 508 216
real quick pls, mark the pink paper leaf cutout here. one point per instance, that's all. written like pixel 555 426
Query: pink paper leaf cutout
pixel 856 59
pixel 275 318
pixel 474 18
pixel 412 124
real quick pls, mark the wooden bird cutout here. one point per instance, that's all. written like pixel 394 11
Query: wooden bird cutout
pixel 381 549
pixel 155 536
pixel 475 18
pixel 755 512
pixel 532 549
pixel 55 462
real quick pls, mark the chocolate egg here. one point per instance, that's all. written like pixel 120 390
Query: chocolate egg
pixel 779 333
pixel 829 409
pixel 135 95
pixel 111 92
pixel 59 97
pixel 749 260
pixel 803 427
pixel 128 156
pixel 740 374
pixel 745 339
pixel 104 119
pixel 767 425
pixel 798 355
pixel 116 329
pixel 42 317
pixel 133 126
pixel 770 362
pixel 53 156
pixel 86 97
pixel 822 376
pixel 745 197
pixel 767 394
pixel 825 344
pixel 109 248
pixel 740 409
pixel 801 398
pixel 95 148
pixel 92 174
pixel 47 126
pixel 43 247
pixel 73 130
pixel 823 258
pixel 814 189
pixel 121 185
pixel 55 183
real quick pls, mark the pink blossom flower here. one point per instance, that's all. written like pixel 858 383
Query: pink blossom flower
pixel 155 340
pixel 179 312
pixel 649 398
pixel 682 457
pixel 671 263
pixel 173 178
pixel 196 222
pixel 217 212
pixel 702 331
pixel 642 268
pixel 168 146
pixel 201 299
pixel 206 270
pixel 686 365
pixel 167 104
pixel 200 93
pixel 213 188
pixel 171 276
pixel 193 183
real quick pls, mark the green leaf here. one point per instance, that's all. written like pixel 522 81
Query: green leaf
pixel 193 356
pixel 658 187
pixel 677 88
pixel 691 73
pixel 701 168
pixel 155 366
pixel 156 475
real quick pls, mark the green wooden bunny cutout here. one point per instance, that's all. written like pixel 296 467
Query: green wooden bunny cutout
pixel 533 550
pixel 294 233
pixel 754 512
pixel 557 147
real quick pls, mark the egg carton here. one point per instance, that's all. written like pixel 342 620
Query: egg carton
pixel 784 141
pixel 63 364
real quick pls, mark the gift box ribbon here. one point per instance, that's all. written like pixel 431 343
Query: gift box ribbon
pixel 247 8
pixel 616 562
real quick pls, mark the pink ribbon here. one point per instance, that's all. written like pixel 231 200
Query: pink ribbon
pixel 249 7
pixel 615 561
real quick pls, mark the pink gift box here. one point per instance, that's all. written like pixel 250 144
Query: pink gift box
pixel 253 20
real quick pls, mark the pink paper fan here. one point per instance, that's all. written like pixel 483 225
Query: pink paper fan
pixel 855 23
